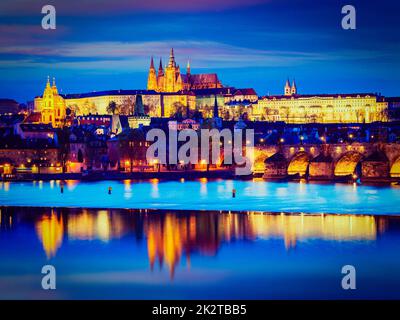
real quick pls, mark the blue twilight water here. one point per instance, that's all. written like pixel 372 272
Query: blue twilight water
pixel 146 254
pixel 255 195
pixel 213 253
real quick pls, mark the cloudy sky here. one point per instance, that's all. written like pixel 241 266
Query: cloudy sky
pixel 107 44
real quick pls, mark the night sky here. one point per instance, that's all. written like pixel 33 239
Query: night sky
pixel 104 45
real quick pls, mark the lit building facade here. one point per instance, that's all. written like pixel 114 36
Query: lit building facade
pixel 324 108
pixel 155 104
pixel 51 105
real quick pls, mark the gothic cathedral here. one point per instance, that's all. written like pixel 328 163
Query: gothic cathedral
pixel 172 80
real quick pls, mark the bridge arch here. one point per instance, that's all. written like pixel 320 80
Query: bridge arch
pixel 395 169
pixel 348 164
pixel 299 164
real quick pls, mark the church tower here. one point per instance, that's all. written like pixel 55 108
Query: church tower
pixel 288 89
pixel 170 74
pixel 51 105
pixel 152 78
pixel 293 89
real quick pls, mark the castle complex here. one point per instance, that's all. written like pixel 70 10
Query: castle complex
pixel 172 80
pixel 170 92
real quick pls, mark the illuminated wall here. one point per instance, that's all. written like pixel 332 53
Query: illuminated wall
pixel 323 109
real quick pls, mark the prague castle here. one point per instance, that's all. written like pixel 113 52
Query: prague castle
pixel 172 80
pixel 170 92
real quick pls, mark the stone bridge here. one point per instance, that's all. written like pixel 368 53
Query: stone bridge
pixel 368 161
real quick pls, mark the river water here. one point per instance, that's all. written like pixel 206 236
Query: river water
pixel 188 240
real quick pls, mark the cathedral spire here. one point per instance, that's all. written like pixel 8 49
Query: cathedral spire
pixel 171 58
pixel 48 81
pixel 152 78
pixel 54 81
pixel 160 69
pixel 215 102
pixel 188 67
pixel 215 113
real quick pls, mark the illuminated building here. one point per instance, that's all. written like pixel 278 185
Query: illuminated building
pixel 172 80
pixel 323 108
pixel 51 105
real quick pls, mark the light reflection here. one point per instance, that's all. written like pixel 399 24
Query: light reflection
pixel 170 236
pixel 50 230
pixel 71 184
pixel 127 189
pixel 154 188
pixel 95 226
pixel 6 186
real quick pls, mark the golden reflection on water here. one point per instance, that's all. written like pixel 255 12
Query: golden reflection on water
pixel 169 236
pixel 50 230
pixel 98 225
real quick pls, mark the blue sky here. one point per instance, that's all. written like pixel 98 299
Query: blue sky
pixel 104 44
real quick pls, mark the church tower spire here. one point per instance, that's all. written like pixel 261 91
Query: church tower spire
pixel 171 62
pixel 160 69
pixel 152 78
pixel 188 68
pixel 288 89
pixel 215 113
pixel 54 87
pixel 293 89
pixel 151 63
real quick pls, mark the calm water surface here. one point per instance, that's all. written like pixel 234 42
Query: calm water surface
pixel 178 246
pixel 206 195
pixel 143 254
